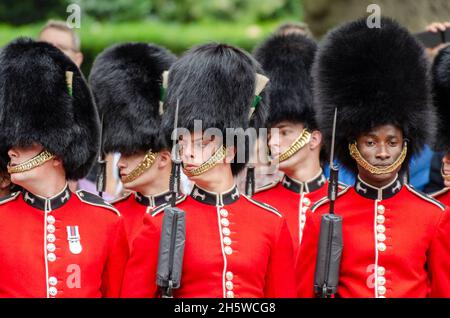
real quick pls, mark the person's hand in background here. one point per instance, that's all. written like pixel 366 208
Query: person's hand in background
pixel 436 27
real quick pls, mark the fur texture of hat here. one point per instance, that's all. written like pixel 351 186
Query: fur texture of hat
pixel 374 77
pixel 214 83
pixel 441 86
pixel 36 107
pixel 287 61
pixel 126 80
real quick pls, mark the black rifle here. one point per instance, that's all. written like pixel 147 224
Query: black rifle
pixel 173 231
pixel 329 254
pixel 250 181
pixel 101 174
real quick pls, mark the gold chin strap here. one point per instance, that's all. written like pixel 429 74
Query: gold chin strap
pixel 143 166
pixel 34 162
pixel 354 152
pixel 298 144
pixel 219 155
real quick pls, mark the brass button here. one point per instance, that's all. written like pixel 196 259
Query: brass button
pixel 223 213
pixel 381 247
pixel 225 222
pixel 50 219
pixel 228 250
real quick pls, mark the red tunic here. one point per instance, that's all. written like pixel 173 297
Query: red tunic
pixel 134 206
pixel 396 244
pixel 443 196
pixel 71 245
pixel 235 247
pixel 292 198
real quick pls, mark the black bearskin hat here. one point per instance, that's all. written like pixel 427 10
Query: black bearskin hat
pixel 374 76
pixel 287 61
pixel 441 81
pixel 214 83
pixel 126 80
pixel 37 107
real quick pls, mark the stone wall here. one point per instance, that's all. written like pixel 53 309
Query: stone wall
pixel 322 15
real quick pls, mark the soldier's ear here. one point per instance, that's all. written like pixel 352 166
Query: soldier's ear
pixel 316 140
pixel 57 161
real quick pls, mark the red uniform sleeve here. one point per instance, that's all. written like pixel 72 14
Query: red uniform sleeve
pixel 280 277
pixel 307 255
pixel 439 258
pixel 116 262
pixel 140 274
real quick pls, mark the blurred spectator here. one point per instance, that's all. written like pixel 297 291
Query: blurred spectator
pixel 63 37
pixel 294 27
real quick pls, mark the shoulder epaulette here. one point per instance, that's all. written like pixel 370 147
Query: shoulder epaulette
pixel 95 200
pixel 324 200
pixel 267 186
pixel 9 198
pixel 440 192
pixel 263 205
pixel 161 207
pixel 426 197
pixel 123 198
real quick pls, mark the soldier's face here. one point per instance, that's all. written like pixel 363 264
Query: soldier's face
pixel 380 147
pixel 281 137
pixel 196 148
pixel 128 163
pixel 446 168
pixel 19 155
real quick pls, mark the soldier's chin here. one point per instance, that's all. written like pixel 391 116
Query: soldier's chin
pixel 385 177
pixel 287 164
pixel 129 185
pixel 21 178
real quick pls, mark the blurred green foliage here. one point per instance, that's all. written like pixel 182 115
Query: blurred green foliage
pixel 175 24
pixel 177 37
pixel 182 11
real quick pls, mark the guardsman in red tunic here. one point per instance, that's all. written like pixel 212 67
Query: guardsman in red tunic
pixel 53 243
pixel 234 246
pixel 294 140
pixel 441 84
pixel 127 83
pixel 395 239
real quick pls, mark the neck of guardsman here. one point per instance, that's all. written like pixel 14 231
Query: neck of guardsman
pixel 47 187
pixel 157 185
pixel 305 170
pixel 378 183
pixel 219 179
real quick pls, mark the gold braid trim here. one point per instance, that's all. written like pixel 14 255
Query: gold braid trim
pixel 354 152
pixel 34 162
pixel 298 144
pixel 143 166
pixel 208 164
